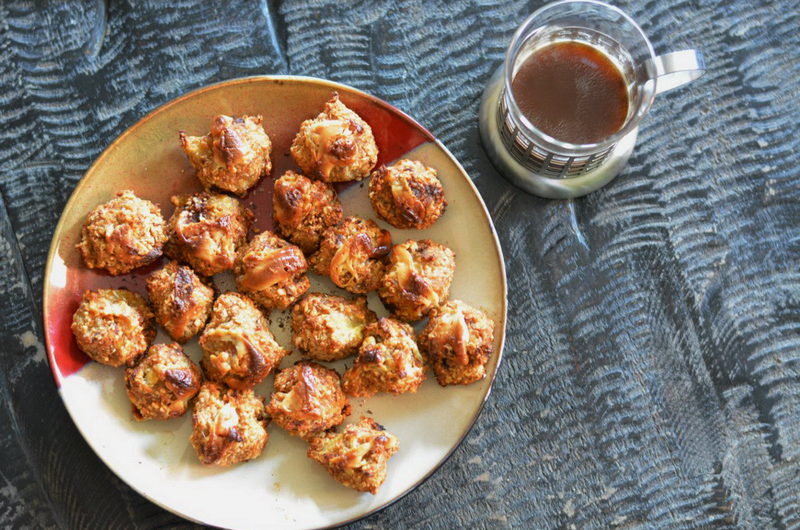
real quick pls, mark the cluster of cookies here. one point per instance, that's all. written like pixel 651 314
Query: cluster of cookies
pixel 208 234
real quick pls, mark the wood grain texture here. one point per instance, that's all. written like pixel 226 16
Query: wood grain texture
pixel 652 367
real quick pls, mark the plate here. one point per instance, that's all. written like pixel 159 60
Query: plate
pixel 283 487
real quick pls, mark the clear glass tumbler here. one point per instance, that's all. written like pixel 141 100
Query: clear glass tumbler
pixel 544 165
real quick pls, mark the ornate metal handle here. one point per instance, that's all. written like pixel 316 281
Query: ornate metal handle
pixel 676 69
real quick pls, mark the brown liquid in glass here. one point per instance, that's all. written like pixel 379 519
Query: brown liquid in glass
pixel 573 92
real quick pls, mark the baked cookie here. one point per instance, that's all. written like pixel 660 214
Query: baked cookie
pixel 353 254
pixel 303 208
pixel 407 194
pixel 271 271
pixel 358 456
pixel 327 327
pixel 161 382
pixel 238 346
pixel 182 301
pixel 228 426
pixel 457 342
pixel 307 399
pixel 417 278
pixel 113 326
pixel 336 146
pixel 205 231
pixel 233 156
pixel 388 361
pixel 123 234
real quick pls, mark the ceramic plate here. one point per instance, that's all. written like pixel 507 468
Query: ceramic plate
pixel 281 488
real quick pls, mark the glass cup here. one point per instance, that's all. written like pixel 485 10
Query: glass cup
pixel 544 165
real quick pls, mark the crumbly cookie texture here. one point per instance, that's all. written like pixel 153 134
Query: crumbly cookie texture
pixel 388 361
pixel 353 254
pixel 161 383
pixel 327 327
pixel 357 457
pixel 233 156
pixel 239 349
pixel 182 301
pixel 457 343
pixel 336 146
pixel 205 231
pixel 113 326
pixel 228 426
pixel 417 278
pixel 407 194
pixel 271 271
pixel 307 399
pixel 303 208
pixel 123 234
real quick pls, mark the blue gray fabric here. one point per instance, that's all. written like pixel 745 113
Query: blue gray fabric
pixel 651 376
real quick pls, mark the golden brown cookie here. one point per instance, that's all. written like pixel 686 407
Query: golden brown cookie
pixel 307 399
pixel 205 231
pixel 161 382
pixel 327 327
pixel 238 346
pixel 182 301
pixel 457 342
pixel 353 254
pixel 357 457
pixel 271 271
pixel 417 278
pixel 113 326
pixel 123 234
pixel 303 208
pixel 336 146
pixel 233 156
pixel 228 426
pixel 388 361
pixel 407 194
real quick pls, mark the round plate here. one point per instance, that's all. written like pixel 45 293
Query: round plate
pixel 282 487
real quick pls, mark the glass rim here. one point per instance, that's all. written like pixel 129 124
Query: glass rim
pixel 553 144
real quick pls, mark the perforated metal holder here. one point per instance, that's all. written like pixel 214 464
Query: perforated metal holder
pixel 537 159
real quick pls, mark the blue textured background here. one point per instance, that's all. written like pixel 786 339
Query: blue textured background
pixel 652 367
